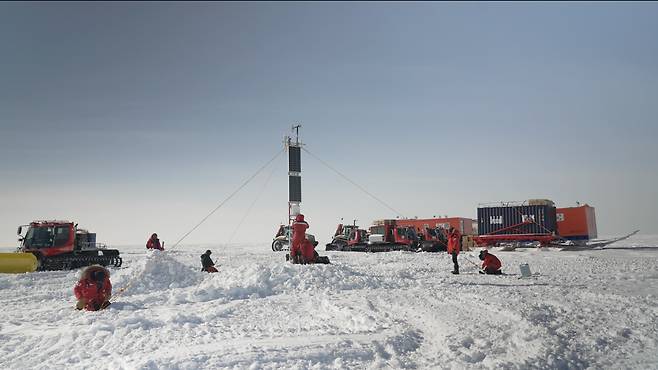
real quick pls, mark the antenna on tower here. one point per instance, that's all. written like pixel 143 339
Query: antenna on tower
pixel 296 129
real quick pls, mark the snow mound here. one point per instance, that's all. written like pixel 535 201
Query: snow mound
pixel 259 281
pixel 160 272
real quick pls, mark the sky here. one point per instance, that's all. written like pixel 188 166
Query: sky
pixel 133 118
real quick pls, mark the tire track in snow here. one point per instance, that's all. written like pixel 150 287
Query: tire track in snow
pixel 251 346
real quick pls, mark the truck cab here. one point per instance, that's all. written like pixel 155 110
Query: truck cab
pixel 433 240
pixel 344 231
pixel 357 236
pixel 49 238
pixel 396 234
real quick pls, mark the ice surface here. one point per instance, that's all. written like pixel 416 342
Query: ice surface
pixel 587 309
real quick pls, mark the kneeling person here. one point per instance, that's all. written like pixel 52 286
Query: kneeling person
pixel 308 255
pixel 302 250
pixel 94 289
pixel 207 264
pixel 490 264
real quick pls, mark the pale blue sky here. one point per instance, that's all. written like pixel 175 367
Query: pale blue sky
pixel 136 118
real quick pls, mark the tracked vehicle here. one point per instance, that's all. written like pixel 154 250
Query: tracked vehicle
pixel 383 236
pixel 61 245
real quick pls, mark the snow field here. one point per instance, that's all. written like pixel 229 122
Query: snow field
pixel 592 309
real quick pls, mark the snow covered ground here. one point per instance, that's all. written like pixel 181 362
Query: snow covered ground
pixel 588 309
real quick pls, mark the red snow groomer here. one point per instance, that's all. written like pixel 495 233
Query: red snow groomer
pixel 60 245
pixel 530 222
pixel 383 236
pixel 346 235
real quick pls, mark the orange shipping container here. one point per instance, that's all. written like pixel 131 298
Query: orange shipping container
pixel 464 225
pixel 576 223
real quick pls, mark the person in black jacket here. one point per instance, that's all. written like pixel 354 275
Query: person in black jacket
pixel 206 262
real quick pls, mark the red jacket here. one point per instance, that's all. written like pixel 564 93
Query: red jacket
pixel 308 252
pixel 491 262
pixel 94 293
pixel 154 243
pixel 298 236
pixel 454 240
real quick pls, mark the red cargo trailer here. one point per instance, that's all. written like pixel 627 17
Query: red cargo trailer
pixel 576 223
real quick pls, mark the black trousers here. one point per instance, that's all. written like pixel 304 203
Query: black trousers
pixel 454 260
pixel 491 271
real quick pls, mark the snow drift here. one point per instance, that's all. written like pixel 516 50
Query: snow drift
pixel 590 309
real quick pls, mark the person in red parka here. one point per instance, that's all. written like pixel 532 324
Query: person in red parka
pixel 490 263
pixel 154 243
pixel 454 244
pixel 93 290
pixel 301 249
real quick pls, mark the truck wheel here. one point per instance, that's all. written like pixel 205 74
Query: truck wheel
pixel 277 245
